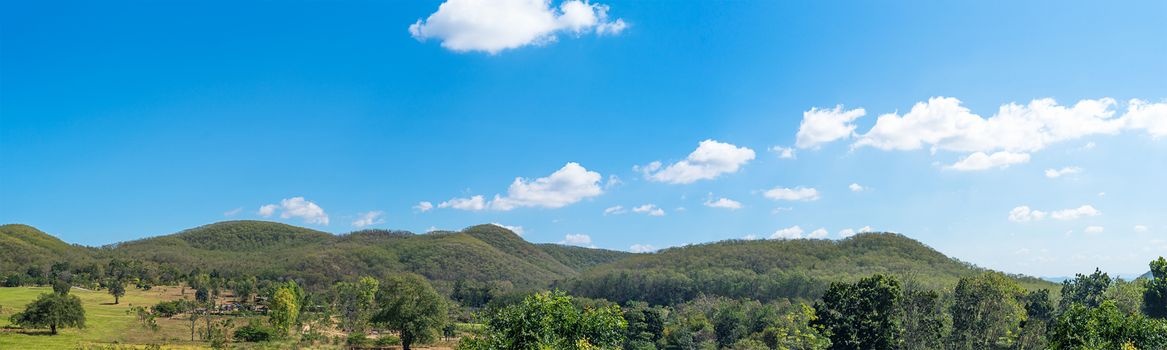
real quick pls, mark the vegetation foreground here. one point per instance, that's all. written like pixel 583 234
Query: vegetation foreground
pixel 866 292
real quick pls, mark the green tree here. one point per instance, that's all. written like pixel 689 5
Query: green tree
pixel 793 331
pixel 409 305
pixel 284 308
pixel 1039 311
pixel 861 315
pixel 1127 296
pixel 61 287
pixel 355 302
pixel 549 320
pixel 923 319
pixel 117 288
pixel 244 288
pixel 1106 327
pixel 1155 297
pixel 1087 290
pixel 986 312
pixel 51 310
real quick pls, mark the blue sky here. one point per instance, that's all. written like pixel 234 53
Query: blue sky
pixel 132 119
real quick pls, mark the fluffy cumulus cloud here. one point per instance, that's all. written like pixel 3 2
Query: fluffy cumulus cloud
pixel 792 232
pixel 577 239
pixel 566 186
pixel 296 207
pixel 423 206
pixel 518 230
pixel 792 194
pixel 473 203
pixel 981 161
pixel 495 25
pixel 820 126
pixel 1006 137
pixel 370 218
pixel 854 187
pixel 1025 214
pixel 710 160
pixel 846 233
pixel 723 203
pixel 641 248
pixel 1056 173
pixel 649 209
pixel 818 234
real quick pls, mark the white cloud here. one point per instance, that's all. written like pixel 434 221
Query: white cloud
pixel 825 125
pixel 616 210
pixel 865 229
pixel 577 239
pixel 649 209
pixel 565 186
pixel 750 237
pixel 267 210
pixel 710 160
pixel 641 248
pixel 1071 214
pixel 846 233
pixel 1141 228
pixel 518 230
pixel 1024 213
pixel 792 232
pixel 1151 117
pixel 369 218
pixel 1056 173
pixel 613 181
pixel 495 25
pixel 819 233
pixel 783 152
pixel 1094 229
pixel 792 194
pixel 474 203
pixel 296 207
pixel 723 203
pixel 943 123
pixel 423 206
pixel 981 161
pixel 232 212
pixel 856 187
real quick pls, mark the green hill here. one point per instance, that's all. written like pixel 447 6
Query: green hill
pixel 771 269
pixel 25 246
pixel 274 250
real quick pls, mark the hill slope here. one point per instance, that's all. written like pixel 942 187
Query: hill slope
pixel 273 250
pixel 25 246
pixel 771 269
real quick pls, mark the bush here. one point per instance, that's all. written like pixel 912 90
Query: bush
pixel 387 340
pixel 254 332
pixel 171 308
pixel 358 339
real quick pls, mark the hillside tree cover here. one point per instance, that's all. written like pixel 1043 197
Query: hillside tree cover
pixel 549 320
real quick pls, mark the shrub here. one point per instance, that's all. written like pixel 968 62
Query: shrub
pixel 254 332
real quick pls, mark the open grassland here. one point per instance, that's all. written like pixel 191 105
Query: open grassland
pixel 110 326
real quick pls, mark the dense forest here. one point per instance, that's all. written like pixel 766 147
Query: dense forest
pixel 491 289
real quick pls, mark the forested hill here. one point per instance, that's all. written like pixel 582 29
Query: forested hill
pixel 762 269
pixel 772 269
pixel 23 245
pixel 483 253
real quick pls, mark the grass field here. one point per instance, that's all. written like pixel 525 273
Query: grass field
pixel 111 326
